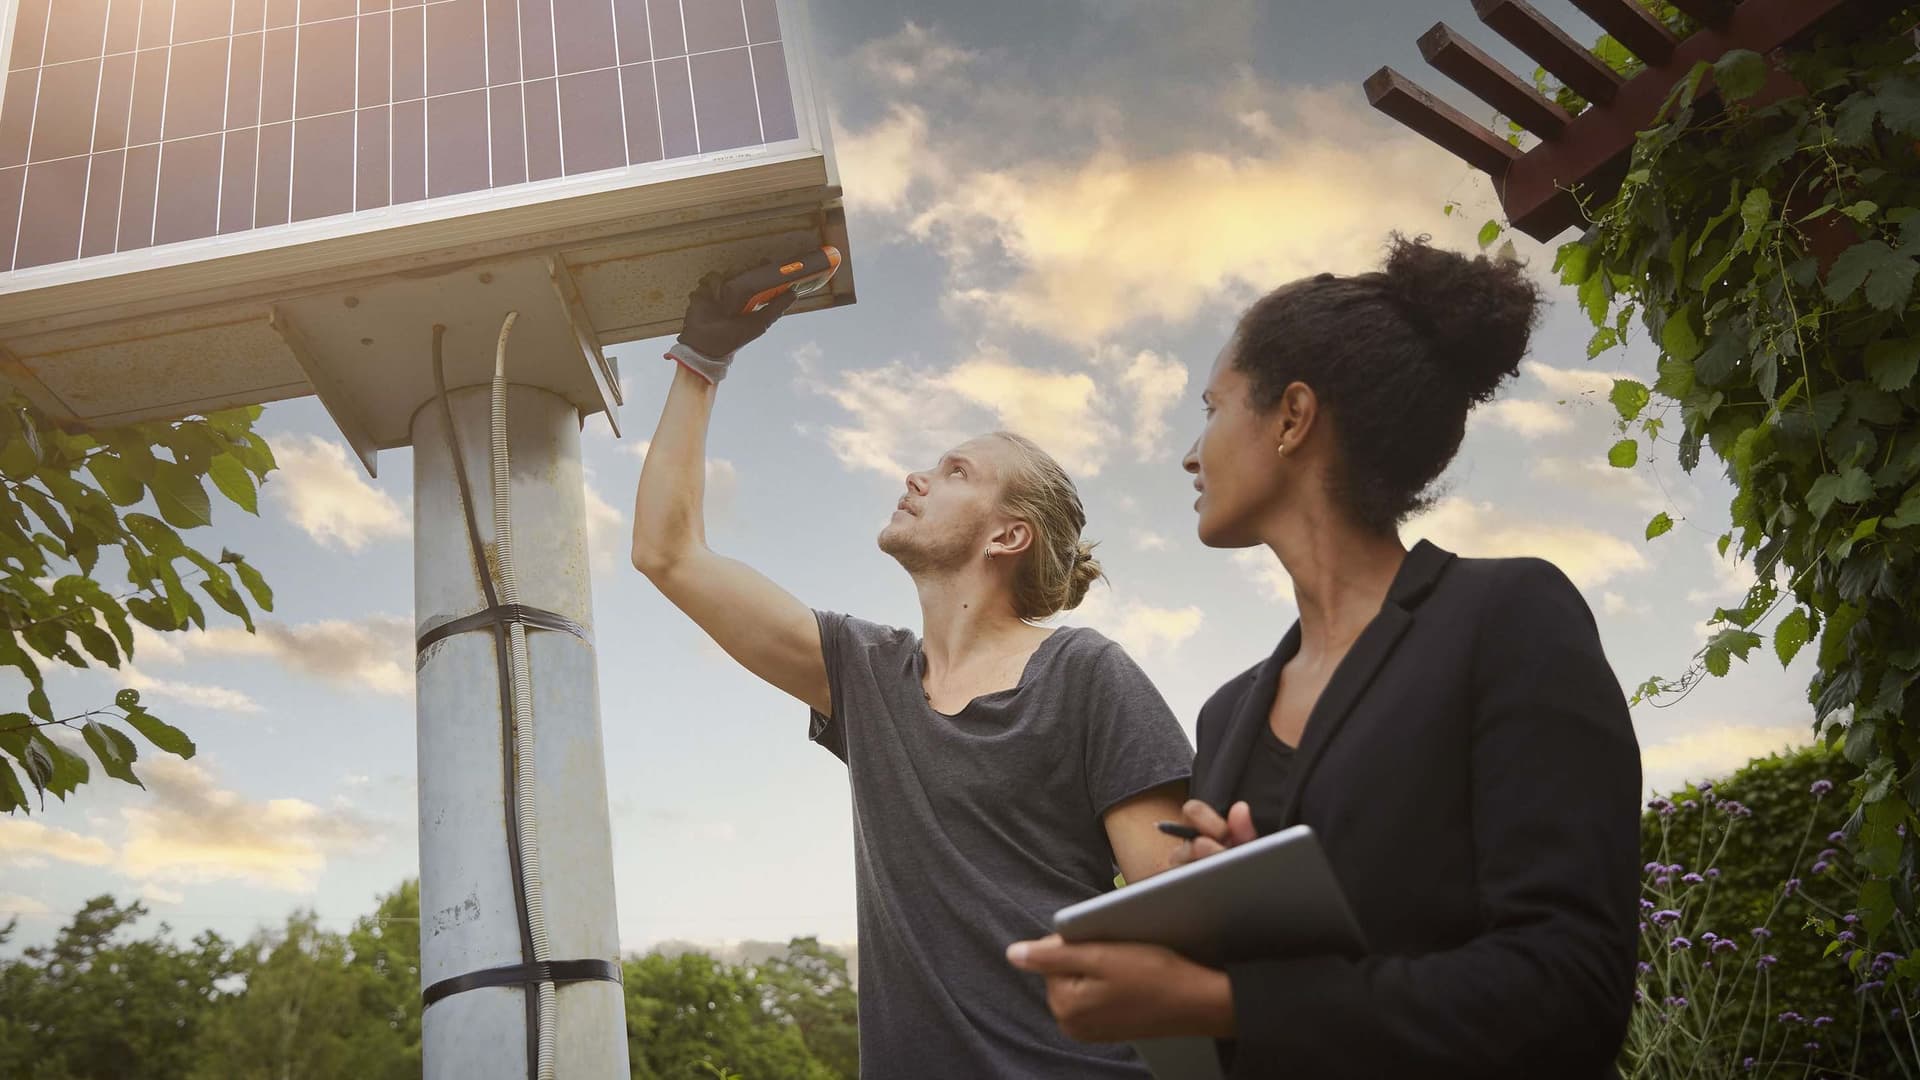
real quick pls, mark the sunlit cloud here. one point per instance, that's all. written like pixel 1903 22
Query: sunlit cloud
pixel 320 489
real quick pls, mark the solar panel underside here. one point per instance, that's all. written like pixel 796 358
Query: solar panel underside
pixel 133 123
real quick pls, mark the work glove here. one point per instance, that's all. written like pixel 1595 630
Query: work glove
pixel 715 327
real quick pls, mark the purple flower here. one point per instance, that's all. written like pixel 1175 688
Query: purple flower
pixel 1791 1017
pixel 1643 927
pixel 1678 944
pixel 1646 904
pixel 1828 854
pixel 1677 1002
pixel 1747 1064
pixel 1712 872
pixel 1645 968
pixel 1662 918
pixel 1812 1046
pixel 1662 881
pixel 1820 788
pixel 1709 937
pixel 1690 805
pixel 1792 886
pixel 1638 995
pixel 1691 878
pixel 1706 786
pixel 1653 868
pixel 1675 868
pixel 1885 960
pixel 1822 1021
pixel 1766 961
pixel 1736 809
pixel 1725 945
pixel 1871 984
pixel 1845 935
pixel 1821 866
pixel 1663 806
pixel 1760 933
pixel 1849 919
pixel 1836 837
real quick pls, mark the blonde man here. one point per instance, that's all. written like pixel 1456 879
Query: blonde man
pixel 1000 769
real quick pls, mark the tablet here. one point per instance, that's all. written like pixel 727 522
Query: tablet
pixel 1272 897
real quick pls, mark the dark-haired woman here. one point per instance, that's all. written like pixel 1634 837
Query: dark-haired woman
pixel 1449 727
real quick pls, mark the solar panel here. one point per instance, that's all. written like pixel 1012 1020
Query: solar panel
pixel 128 124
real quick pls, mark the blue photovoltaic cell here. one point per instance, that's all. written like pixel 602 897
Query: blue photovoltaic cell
pixel 132 123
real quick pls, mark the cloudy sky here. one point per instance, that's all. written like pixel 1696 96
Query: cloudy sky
pixel 1058 207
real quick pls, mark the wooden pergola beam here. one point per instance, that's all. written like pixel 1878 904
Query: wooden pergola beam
pixel 1536 35
pixel 1588 154
pixel 1706 12
pixel 1459 60
pixel 1397 96
pixel 1631 25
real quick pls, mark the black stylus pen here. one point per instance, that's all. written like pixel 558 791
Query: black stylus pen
pixel 1184 832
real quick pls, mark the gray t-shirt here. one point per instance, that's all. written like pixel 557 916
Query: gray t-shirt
pixel 971 830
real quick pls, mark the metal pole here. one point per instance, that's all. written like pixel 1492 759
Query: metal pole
pixel 468 917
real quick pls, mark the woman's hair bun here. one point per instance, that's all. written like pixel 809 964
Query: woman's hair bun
pixel 1476 312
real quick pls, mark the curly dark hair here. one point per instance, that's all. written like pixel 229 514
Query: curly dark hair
pixel 1397 357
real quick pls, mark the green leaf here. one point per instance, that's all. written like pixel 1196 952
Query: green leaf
pixel 38 705
pixel 1740 74
pixel 115 751
pixel 159 733
pixel 1624 454
pixel 1755 211
pixel 1891 364
pixel 69 769
pixel 1721 547
pixel 1791 635
pixel 1488 234
pixel 1660 525
pixel 1679 338
pixel 233 480
pixel 1851 485
pixel 1574 263
pixel 1718 661
pixel 1876 905
pixel 115 480
pixel 255 583
pixel 127 699
pixel 1887 275
pixel 1628 397
pixel 1908 515
pixel 12 796
pixel 180 496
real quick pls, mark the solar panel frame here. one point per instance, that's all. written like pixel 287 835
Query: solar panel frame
pixel 311 178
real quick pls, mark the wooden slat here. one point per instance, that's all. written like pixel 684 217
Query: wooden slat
pixel 1460 60
pixel 1536 35
pixel 1399 97
pixel 1590 154
pixel 1630 24
pixel 1706 12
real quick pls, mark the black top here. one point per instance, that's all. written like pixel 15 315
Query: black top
pixel 1472 774
pixel 1263 783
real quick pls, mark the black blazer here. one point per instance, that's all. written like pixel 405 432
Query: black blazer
pixel 1473 776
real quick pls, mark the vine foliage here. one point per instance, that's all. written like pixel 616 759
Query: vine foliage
pixel 1769 242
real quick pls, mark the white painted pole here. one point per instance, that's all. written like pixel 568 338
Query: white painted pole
pixel 467 908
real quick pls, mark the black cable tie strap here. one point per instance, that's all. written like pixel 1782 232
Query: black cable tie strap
pixel 489 617
pixel 540 971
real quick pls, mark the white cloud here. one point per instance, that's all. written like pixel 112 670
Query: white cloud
pixel 1274 581
pixel 1141 629
pixel 606 532
pixel 1156 384
pixel 902 416
pixel 1054 408
pixel 199 695
pixel 153 893
pixel 1612 603
pixel 24 840
pixel 723 481
pixel 322 491
pixel 13 905
pixel 912 55
pixel 375 652
pixel 1591 558
pixel 191 830
pixel 1530 419
pixel 879 164
pixel 1596 477
pixel 1147 540
pixel 1714 752
pixel 1574 382
pixel 1084 247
